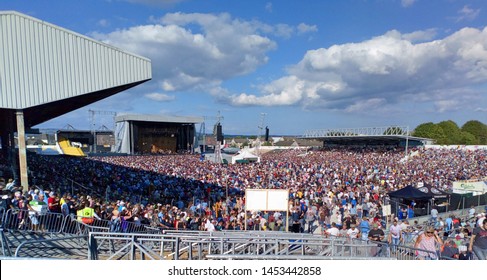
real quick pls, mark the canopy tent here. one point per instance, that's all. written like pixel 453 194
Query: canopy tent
pixel 410 193
pixel 436 193
pixel 245 156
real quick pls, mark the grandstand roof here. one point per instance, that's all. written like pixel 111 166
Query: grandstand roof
pixel 47 71
pixel 158 118
pixel 368 135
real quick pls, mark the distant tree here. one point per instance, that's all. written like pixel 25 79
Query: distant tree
pixel 466 138
pixel 478 130
pixel 448 133
pixel 430 130
pixel 452 132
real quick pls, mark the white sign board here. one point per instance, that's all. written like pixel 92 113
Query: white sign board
pixel 266 200
pixel 470 186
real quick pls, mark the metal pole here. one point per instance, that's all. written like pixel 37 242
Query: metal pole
pixel 245 219
pixel 24 179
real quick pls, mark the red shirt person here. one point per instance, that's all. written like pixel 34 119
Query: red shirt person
pixel 53 203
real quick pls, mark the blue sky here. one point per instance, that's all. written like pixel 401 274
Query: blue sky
pixel 306 64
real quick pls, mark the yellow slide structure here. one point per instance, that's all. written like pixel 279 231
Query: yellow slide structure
pixel 69 150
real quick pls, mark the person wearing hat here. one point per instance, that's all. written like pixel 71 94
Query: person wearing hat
pixel 377 235
pixel 53 203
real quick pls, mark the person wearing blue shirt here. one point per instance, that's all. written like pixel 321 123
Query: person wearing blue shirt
pixel 410 213
pixel 364 228
pixel 448 224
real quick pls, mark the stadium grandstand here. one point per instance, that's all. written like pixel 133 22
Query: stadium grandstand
pixel 397 136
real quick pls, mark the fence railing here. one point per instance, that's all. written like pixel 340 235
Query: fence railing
pixel 216 244
pixel 49 222
pixel 243 245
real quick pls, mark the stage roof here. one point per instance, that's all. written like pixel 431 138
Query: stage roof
pixel 158 118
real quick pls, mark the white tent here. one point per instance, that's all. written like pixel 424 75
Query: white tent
pixel 245 155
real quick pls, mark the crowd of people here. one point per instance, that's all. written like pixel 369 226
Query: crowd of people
pixel 332 188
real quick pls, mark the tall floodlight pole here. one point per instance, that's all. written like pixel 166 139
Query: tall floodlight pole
pixel 261 126
pixel 218 154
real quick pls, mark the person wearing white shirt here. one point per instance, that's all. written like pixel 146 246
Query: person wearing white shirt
pixel 481 219
pixel 434 214
pixel 394 237
pixel 353 232
pixel 209 226
pixel 471 212
pixel 333 231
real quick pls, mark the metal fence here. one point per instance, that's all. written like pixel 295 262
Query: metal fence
pixel 141 241
pixel 33 221
pixel 177 245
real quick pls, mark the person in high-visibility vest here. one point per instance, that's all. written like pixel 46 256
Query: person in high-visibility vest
pixel 87 214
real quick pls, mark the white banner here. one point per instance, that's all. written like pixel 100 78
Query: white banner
pixel 266 200
pixel 470 186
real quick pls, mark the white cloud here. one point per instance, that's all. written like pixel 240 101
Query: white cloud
pixel 467 13
pixel 407 3
pixel 421 35
pixel 284 30
pixel 160 97
pixel 196 51
pixel 384 71
pixel 304 28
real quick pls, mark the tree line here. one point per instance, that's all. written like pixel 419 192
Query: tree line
pixel 449 133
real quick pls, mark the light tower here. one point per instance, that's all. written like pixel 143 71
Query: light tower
pixel 261 126
pixel 218 137
pixel 218 118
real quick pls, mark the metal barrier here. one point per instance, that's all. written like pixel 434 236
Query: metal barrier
pixel 73 225
pixel 33 221
pixel 227 245
pixel 141 241
pixel 2 216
